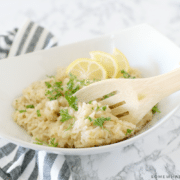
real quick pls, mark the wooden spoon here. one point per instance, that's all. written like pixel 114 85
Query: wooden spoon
pixel 133 98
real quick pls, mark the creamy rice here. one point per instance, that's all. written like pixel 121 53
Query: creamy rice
pixel 77 132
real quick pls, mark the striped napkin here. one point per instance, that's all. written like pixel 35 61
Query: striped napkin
pixel 18 163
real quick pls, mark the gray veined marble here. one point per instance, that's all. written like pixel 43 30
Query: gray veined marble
pixel 156 156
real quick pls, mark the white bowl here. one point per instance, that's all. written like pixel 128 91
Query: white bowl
pixel 144 47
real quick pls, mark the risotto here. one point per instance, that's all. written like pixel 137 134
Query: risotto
pixel 50 113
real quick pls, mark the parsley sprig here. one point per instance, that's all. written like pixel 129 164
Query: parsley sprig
pixel 75 84
pixel 72 87
pixel 155 109
pixel 30 106
pixel 104 108
pixel 65 115
pixel 72 100
pixel 51 142
pixel 100 108
pixel 38 113
pixel 98 121
pixel 21 111
pixel 127 75
pixel 129 131
pixel 97 108
pixel 48 84
pixel 54 90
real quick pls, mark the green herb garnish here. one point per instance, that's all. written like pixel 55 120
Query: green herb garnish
pixel 71 85
pixel 90 102
pixel 21 111
pixel 30 106
pixel 39 142
pixel 38 113
pixel 128 131
pixel 91 119
pixel 126 75
pixel 65 115
pixel 155 109
pixel 55 91
pixel 51 142
pixel 104 108
pixel 100 121
pixel 48 84
pixel 97 108
pixel 72 100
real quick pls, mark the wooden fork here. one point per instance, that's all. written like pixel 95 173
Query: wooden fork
pixel 133 98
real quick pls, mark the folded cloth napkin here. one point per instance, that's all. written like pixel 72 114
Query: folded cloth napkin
pixel 18 163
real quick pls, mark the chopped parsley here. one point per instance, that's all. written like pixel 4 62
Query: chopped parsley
pixel 104 108
pixel 55 91
pixel 38 113
pixel 71 85
pixel 128 131
pixel 97 108
pixel 91 119
pixel 98 121
pixel 85 82
pixel 126 75
pixel 90 102
pixel 51 142
pixel 21 111
pixel 155 109
pixel 71 89
pixel 75 84
pixel 30 106
pixel 48 84
pixel 65 115
pixel 72 100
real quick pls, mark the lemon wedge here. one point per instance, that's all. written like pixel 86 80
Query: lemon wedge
pixel 122 62
pixel 85 68
pixel 108 61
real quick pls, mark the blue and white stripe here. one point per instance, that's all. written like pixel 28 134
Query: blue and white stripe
pixel 19 163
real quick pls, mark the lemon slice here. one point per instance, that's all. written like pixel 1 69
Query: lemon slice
pixel 122 61
pixel 85 68
pixel 108 61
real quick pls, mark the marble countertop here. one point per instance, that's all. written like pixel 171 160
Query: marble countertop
pixel 156 156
